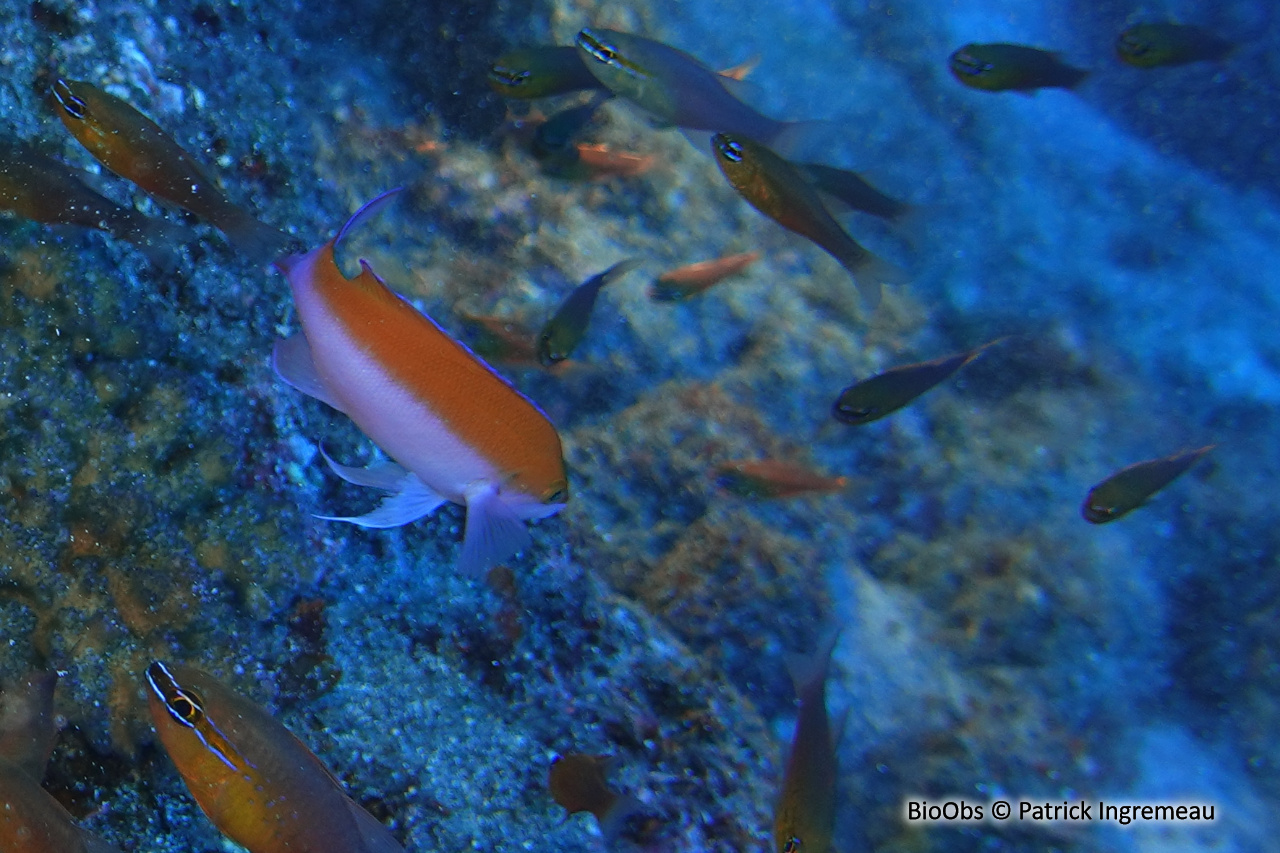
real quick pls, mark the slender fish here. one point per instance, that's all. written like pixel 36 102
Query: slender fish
pixel 1159 43
pixel 770 478
pixel 260 785
pixel 1012 67
pixel 805 816
pixel 134 147
pixel 688 281
pixel 885 393
pixel 777 189
pixel 1130 488
pixel 42 189
pixel 567 327
pixel 31 820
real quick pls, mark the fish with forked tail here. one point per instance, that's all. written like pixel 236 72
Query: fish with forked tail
pixel 1131 487
pixel 134 147
pixel 776 188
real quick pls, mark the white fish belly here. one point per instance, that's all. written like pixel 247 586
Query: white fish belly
pixel 404 426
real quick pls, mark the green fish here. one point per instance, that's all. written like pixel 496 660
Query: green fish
pixel 852 189
pixel 885 393
pixel 674 87
pixel 779 190
pixel 1005 67
pixel 540 72
pixel 805 815
pixel 565 330
pixel 1129 488
pixel 1152 44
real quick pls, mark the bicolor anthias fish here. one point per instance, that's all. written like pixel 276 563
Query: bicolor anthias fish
pixel 456 430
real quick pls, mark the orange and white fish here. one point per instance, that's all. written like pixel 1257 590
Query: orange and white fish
pixel 456 430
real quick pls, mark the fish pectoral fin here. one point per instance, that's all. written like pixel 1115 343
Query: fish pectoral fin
pixel 376 837
pixel 385 475
pixel 291 361
pixel 410 499
pixel 493 533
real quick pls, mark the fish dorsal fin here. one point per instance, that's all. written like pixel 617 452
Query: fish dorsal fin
pixel 27 728
pixel 370 209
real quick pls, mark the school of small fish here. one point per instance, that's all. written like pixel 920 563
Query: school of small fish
pixel 453 429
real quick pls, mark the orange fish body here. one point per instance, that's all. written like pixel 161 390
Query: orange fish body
pixel 769 478
pixel 692 279
pixel 805 815
pixel 456 429
pixel 31 820
pixel 260 785
pixel 134 147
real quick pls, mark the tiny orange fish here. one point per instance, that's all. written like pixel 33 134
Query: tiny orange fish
pixel 578 784
pixel 688 281
pixel 134 147
pixel 260 785
pixel 769 478
pixel 456 430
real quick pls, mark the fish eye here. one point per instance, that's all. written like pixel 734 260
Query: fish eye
pixel 603 52
pixel 850 414
pixel 1098 513
pixel 509 76
pixel 1133 46
pixel 186 707
pixel 75 107
pixel 730 150
pixel 792 845
pixel 966 63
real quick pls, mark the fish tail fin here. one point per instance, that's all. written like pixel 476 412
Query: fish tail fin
pixel 613 819
pixel 869 272
pixel 803 141
pixel 809 673
pixel 493 531
pixel 260 242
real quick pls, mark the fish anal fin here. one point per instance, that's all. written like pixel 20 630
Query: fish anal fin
pixel 410 499
pixel 493 531
pixel 613 819
pixel 291 360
